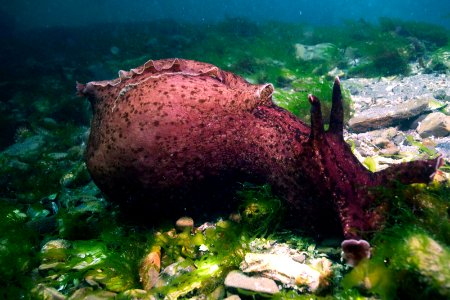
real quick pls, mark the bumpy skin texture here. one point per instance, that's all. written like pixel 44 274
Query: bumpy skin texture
pixel 173 132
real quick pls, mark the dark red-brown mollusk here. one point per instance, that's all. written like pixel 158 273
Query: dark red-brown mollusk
pixel 174 135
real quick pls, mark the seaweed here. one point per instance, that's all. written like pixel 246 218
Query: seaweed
pixel 18 252
pixel 434 35
pixel 413 248
pixel 296 100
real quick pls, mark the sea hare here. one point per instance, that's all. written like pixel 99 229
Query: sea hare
pixel 174 135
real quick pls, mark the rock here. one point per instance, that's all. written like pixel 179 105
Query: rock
pixel 57 155
pixel 284 269
pixel 218 293
pixel 88 293
pixel 76 152
pixel 322 51
pixel 238 280
pixel 435 124
pixel 43 292
pixel 444 148
pixel 440 94
pixel 383 116
pixel 56 250
pixel 336 73
pixel 135 294
pixel 430 259
pixel 29 150
pixel 110 280
pixel 184 224
pixel 150 267
pixel 175 270
pixel 76 177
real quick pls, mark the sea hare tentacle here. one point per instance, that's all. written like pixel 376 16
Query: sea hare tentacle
pixel 337 111
pixel 317 129
pixel 173 136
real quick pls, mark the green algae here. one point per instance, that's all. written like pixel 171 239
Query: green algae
pixel 296 99
pixel 261 212
pixel 412 249
pixel 18 248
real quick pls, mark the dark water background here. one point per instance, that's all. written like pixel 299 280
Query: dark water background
pixel 35 13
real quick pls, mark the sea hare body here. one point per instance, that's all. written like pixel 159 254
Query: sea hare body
pixel 173 135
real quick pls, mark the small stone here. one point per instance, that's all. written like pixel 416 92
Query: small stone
pixel 49 123
pixel 444 148
pixel 235 217
pixel 218 293
pixel 435 124
pixel 174 270
pixel 135 294
pixel 440 94
pixel 150 267
pixel 336 73
pixel 76 177
pixel 390 149
pixel 382 142
pixel 238 280
pixel 44 267
pixel 57 155
pixel 184 224
pixel 88 293
pixel 43 292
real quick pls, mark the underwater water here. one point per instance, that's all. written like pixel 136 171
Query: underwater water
pixel 266 216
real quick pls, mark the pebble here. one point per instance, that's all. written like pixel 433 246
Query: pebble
pixel 184 223
pixel 435 124
pixel 43 292
pixel 238 280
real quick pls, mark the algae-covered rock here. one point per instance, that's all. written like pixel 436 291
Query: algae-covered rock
pixel 324 51
pixel 56 250
pixel 150 267
pixel 431 260
pixel 28 150
pixel 76 177
pixel 47 293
